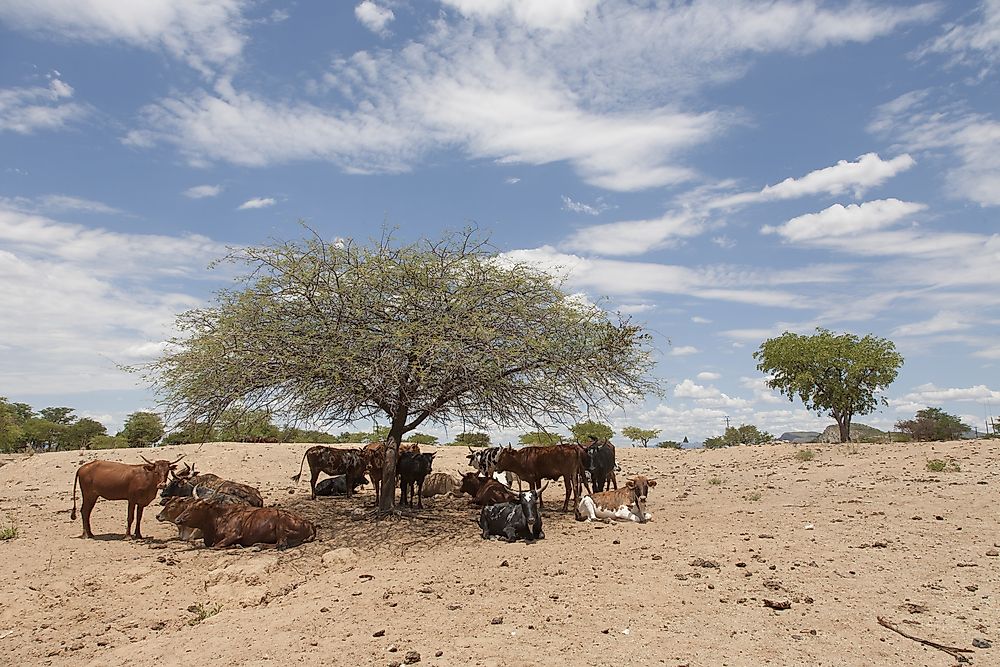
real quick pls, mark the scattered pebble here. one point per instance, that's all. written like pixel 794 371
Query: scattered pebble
pixel 779 606
pixel 981 643
pixel 993 552
pixel 378 633
pixel 497 620
pixel 411 657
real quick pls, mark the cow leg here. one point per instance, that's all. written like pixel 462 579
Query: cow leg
pixel 131 516
pixel 420 495
pixel 570 482
pixel 138 521
pixel 312 482
pixel 85 509
pixel 510 533
pixel 484 525
pixel 614 480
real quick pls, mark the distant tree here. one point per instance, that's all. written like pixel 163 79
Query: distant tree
pixel 190 431
pixel 42 434
pixel 11 433
pixel 57 415
pixel 142 429
pixel 669 444
pixel 80 433
pixel 584 431
pixel 236 425
pixel 358 437
pixel 108 442
pixel 473 439
pixel 22 411
pixel 422 439
pixel 539 438
pixel 933 424
pixel 295 434
pixel 744 434
pixel 643 435
pixel 836 375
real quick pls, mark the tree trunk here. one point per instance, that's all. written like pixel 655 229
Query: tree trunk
pixel 387 494
pixel 844 422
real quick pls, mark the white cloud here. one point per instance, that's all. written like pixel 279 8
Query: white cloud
pixel 700 320
pixel 58 204
pixel 513 180
pixel 201 33
pixel 941 322
pixel 634 237
pixel 374 17
pixel 976 43
pixel 708 376
pixel 931 395
pixel 579 207
pixel 495 88
pixel 845 221
pixel 855 177
pixel 257 202
pixel 202 191
pixel 683 351
pixel 635 308
pixel 708 396
pixel 35 108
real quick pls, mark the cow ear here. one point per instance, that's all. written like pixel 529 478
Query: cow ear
pixel 630 484
pixel 652 482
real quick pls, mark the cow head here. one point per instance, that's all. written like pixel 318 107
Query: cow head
pixel 639 486
pixel 193 514
pixel 529 506
pixel 471 483
pixel 161 469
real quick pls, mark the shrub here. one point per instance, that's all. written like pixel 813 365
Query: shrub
pixel 715 481
pixel 201 612
pixel 753 496
pixel 744 434
pixel 805 455
pixel 9 532
pixel 669 444
pixel 939 465
pixel 933 424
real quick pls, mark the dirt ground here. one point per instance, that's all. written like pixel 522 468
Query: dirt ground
pixel 858 532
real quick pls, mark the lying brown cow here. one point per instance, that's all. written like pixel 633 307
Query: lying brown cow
pixel 230 525
pixel 533 464
pixel 137 484
pixel 189 482
pixel 486 490
pixel 627 504
pixel 173 508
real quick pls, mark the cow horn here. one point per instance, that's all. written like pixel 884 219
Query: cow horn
pixel 174 462
pixel 545 486
pixel 145 459
pixel 470 449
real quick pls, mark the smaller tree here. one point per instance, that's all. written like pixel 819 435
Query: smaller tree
pixel 584 431
pixel 142 429
pixel 80 433
pixel 668 444
pixel 643 435
pixel 539 439
pixel 42 434
pixel 933 424
pixel 744 434
pixel 473 439
pixel 422 438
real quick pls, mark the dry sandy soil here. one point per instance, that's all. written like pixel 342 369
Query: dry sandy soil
pixel 859 532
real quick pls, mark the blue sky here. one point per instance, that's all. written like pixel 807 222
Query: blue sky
pixel 724 171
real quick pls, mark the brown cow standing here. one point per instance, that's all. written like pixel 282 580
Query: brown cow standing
pixel 375 452
pixel 348 462
pixel 137 484
pixel 533 464
pixel 229 525
pixel 486 490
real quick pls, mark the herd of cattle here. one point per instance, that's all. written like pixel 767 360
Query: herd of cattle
pixel 223 513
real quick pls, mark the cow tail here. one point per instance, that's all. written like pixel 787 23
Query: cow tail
pixel 76 478
pixel 296 477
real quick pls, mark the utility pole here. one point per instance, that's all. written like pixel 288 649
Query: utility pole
pixel 727 421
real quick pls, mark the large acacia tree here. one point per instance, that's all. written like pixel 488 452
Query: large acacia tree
pixel 836 374
pixel 436 331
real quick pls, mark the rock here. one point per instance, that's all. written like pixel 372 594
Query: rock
pixel 339 557
pixel 392 648
pixel 701 562
pixel 993 552
pixel 378 633
pixel 497 620
pixel 324 610
pixel 981 643
pixel 438 654
pixel 358 514
pixel 411 657
pixel 504 564
pixel 779 606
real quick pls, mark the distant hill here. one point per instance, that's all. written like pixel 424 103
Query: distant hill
pixel 859 433
pixel 800 436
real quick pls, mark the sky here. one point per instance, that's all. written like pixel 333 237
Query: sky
pixel 721 170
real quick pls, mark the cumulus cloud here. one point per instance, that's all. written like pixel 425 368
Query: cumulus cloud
pixel 840 221
pixel 35 108
pixel 374 17
pixel 202 191
pixel 552 15
pixel 931 395
pixel 683 351
pixel 257 202
pixel 203 34
pixel 708 376
pixel 942 322
pixel 634 237
pixel 708 396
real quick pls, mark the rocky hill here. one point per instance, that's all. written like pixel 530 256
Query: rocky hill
pixel 859 433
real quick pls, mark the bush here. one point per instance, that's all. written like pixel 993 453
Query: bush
pixel 108 442
pixel 9 532
pixel 744 434
pixel 715 481
pixel 753 496
pixel 932 424
pixel 805 455
pixel 938 465
pixel 669 444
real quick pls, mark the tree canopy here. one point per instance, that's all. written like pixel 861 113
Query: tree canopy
pixel 744 434
pixel 142 429
pixel 933 424
pixel 834 374
pixel 643 435
pixel 585 430
pixel 473 439
pixel 432 331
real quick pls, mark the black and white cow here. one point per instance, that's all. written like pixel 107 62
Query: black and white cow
pixel 520 519
pixel 485 461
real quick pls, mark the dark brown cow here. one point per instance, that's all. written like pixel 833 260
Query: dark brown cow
pixel 173 508
pixel 486 490
pixel 348 462
pixel 137 484
pixel 375 451
pixel 188 482
pixel 230 525
pixel 533 464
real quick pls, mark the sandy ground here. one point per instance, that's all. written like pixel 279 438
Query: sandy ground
pixel 888 538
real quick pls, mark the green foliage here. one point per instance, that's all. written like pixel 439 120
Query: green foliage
pixel 422 439
pixel 57 415
pixel 473 439
pixel 108 442
pixel 836 375
pixel 433 331
pixel 142 429
pixel 584 431
pixel 805 455
pixel 939 465
pixel 43 435
pixel 201 612
pixel 715 481
pixel 643 435
pixel 744 434
pixel 81 433
pixel 9 532
pixel 11 431
pixel 932 424
pixel 539 439
pixel 668 444
pixel 236 425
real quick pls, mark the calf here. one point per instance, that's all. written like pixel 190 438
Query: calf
pixel 137 484
pixel 413 469
pixel 628 504
pixel 485 490
pixel 185 482
pixel 440 484
pixel 348 462
pixel 601 464
pixel 228 525
pixel 533 464
pixel 337 486
pixel 519 519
